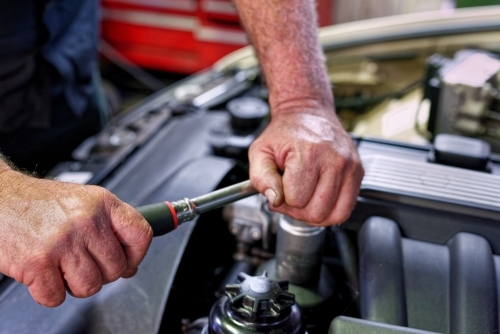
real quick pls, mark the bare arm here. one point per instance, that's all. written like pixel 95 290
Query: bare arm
pixel 55 235
pixel 304 162
pixel 284 34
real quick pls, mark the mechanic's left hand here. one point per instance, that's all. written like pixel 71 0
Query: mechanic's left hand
pixel 321 170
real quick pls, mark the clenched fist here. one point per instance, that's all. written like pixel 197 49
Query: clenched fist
pixel 307 166
pixel 304 162
pixel 56 236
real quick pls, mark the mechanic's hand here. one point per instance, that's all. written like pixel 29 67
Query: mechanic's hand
pixel 321 170
pixel 56 235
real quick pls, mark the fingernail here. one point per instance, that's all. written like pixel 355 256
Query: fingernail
pixel 270 195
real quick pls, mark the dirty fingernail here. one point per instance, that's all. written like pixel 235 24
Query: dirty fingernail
pixel 270 195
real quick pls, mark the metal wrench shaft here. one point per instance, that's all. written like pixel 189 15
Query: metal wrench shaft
pixel 165 217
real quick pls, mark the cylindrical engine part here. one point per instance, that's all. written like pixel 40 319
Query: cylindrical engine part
pixel 299 251
pixel 256 305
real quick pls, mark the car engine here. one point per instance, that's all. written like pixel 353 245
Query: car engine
pixel 419 254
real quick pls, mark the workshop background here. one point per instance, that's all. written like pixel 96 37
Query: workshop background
pixel 149 44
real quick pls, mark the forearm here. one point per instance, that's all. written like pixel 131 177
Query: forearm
pixel 284 35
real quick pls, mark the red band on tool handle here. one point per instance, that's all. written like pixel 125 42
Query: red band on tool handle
pixel 174 214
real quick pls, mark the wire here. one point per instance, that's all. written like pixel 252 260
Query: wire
pixel 359 102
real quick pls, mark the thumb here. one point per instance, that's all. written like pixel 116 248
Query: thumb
pixel 265 177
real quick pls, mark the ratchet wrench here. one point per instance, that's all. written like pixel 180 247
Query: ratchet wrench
pixel 165 217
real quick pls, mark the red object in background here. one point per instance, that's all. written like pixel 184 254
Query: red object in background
pixel 183 36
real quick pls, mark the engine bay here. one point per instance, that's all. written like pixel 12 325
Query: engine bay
pixel 419 254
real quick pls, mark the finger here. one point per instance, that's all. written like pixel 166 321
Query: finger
pixel 265 176
pixel 299 180
pixel 319 208
pixel 323 199
pixel 346 200
pixel 82 275
pixel 130 272
pixel 47 287
pixel 108 255
pixel 132 231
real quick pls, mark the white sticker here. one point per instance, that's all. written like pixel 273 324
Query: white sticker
pixel 75 177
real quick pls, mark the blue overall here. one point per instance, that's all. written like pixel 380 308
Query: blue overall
pixel 48 54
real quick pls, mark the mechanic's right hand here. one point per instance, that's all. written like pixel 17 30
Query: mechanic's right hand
pixel 56 236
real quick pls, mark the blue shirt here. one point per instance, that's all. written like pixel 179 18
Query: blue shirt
pixel 34 33
pixel 72 47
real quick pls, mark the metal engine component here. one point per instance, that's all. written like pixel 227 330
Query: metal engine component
pixel 468 89
pixel 247 113
pixel 187 209
pixel 215 89
pixel 299 256
pixel 256 305
pixel 248 119
pixel 299 251
pixel 250 221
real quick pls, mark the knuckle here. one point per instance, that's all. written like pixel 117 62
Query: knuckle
pixel 41 260
pixel 93 289
pixel 88 290
pixel 343 161
pixel 98 193
pixel 130 272
pixel 45 289
pixel 87 223
pixel 54 302
pixel 104 196
pixel 99 190
pixel 294 201
pixel 256 178
pixel 85 282
pixel 253 148
pixel 55 299
pixel 313 154
pixel 317 217
pixel 118 273
pixel 87 230
pixel 39 267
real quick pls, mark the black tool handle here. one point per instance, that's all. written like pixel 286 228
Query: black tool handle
pixel 161 216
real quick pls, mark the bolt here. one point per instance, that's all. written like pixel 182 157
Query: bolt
pixel 234 230
pixel 255 234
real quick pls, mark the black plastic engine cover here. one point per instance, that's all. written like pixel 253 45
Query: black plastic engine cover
pixel 449 288
pixel 430 202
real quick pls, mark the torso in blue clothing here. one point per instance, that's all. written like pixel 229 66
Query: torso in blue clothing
pixel 48 50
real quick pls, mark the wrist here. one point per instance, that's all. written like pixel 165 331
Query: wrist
pixel 305 93
pixel 302 81
pixel 304 105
